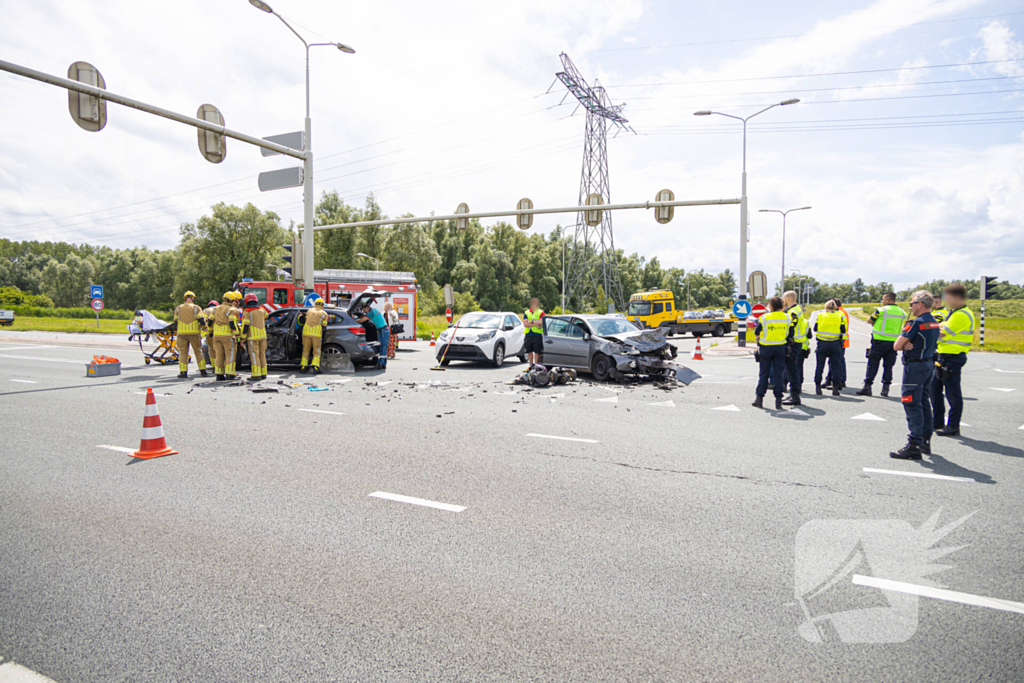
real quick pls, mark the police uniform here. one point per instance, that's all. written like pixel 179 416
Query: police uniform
pixel 533 339
pixel 223 338
pixel 956 334
pixel 918 365
pixel 312 336
pixel 190 319
pixel 886 323
pixel 254 330
pixel 774 333
pixel 795 357
pixel 830 329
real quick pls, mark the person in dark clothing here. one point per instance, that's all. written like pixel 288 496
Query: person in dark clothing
pixel 917 341
pixel 774 334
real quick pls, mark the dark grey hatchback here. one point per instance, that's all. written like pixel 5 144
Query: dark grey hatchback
pixel 343 335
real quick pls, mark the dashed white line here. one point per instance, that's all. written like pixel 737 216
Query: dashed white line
pixel 325 412
pixel 938 593
pixel 119 449
pixel 869 416
pixel 923 475
pixel 16 673
pixel 53 360
pixel 562 438
pixel 728 409
pixel 24 381
pixel 417 501
pixel 610 399
pixel 664 404
pixel 24 348
pixel 1000 389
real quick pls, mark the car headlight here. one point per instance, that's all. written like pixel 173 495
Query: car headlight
pixel 443 336
pixel 486 335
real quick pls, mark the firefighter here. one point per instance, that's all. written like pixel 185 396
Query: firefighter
pixel 208 337
pixel 190 319
pixel 224 329
pixel 254 330
pixel 235 313
pixel 312 336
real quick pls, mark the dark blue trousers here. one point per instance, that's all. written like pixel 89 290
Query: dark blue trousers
pixel 830 351
pixel 917 382
pixel 773 358
pixel 795 368
pixel 950 386
pixel 880 353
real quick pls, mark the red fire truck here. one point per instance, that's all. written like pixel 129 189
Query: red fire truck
pixel 338 287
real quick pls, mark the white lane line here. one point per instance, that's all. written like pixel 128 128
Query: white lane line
pixel 562 438
pixel 999 389
pixel 869 416
pixel 143 393
pixel 923 475
pixel 53 360
pixel 119 449
pixel 939 593
pixel 16 673
pixel 664 404
pixel 325 412
pixel 729 409
pixel 24 381
pixel 1016 372
pixel 796 411
pixel 24 348
pixel 1021 427
pixel 417 501
pixel 384 384
pixel 340 381
pixel 610 399
pixel 701 380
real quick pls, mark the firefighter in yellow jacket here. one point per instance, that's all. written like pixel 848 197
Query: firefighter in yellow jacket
pixel 254 331
pixel 312 335
pixel 224 330
pixel 236 317
pixel 208 337
pixel 190 319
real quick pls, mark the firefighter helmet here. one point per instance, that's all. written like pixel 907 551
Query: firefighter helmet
pixel 213 302
pixel 251 300
pixel 318 302
pixel 189 294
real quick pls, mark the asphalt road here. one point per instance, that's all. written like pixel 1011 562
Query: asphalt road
pixel 664 543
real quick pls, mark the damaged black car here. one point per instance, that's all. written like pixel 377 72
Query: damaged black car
pixel 610 347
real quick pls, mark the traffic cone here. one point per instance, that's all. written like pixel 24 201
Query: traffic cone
pixel 153 444
pixel 432 342
pixel 696 352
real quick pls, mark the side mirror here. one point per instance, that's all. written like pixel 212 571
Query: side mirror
pixel 586 336
pixel 450 325
pixel 508 328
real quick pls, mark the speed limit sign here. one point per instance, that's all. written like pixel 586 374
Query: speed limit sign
pixel 97 305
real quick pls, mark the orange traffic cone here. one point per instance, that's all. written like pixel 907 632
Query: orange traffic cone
pixel 432 342
pixel 696 352
pixel 153 444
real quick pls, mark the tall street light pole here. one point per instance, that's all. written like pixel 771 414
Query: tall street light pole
pixel 782 282
pixel 375 260
pixel 307 165
pixel 742 336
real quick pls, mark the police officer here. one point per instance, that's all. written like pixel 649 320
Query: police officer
pixel 797 353
pixel 886 323
pixel 774 334
pixel 830 328
pixel 224 329
pixel 189 318
pixel 956 335
pixel 254 331
pixel 917 341
pixel 312 336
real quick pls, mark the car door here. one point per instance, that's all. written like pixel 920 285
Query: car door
pixel 564 344
pixel 514 338
pixel 280 336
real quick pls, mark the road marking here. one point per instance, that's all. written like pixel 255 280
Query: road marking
pixel 417 501
pixel 923 475
pixel 16 673
pixel 562 438
pixel 325 412
pixel 143 393
pixel 939 593
pixel 964 424
pixel 24 348
pixel 1021 427
pixel 24 381
pixel 701 380
pixel 664 404
pixel 340 381
pixel 999 389
pixel 729 409
pixel 1017 372
pixel 119 449
pixel 796 411
pixel 610 399
pixel 383 384
pixel 869 416
pixel 54 360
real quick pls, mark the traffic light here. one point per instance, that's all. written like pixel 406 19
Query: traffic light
pixel 988 286
pixel 294 257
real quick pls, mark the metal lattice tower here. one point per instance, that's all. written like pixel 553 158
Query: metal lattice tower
pixel 593 262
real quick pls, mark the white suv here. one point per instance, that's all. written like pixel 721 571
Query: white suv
pixel 483 337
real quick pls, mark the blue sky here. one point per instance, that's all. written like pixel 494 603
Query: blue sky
pixel 445 102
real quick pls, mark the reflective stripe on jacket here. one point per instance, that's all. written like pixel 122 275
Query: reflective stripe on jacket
pixel 888 324
pixel 222 318
pixel 775 327
pixel 801 326
pixel 255 324
pixel 957 332
pixel 188 317
pixel 315 320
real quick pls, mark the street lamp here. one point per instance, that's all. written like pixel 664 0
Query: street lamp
pixel 782 283
pixel 307 165
pixel 743 200
pixel 375 260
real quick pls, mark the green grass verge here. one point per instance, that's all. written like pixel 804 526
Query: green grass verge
pixel 68 325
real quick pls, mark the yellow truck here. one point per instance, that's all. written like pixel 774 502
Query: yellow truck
pixel 657 308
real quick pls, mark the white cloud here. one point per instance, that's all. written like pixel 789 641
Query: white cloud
pixel 999 43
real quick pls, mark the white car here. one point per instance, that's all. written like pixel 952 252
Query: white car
pixel 483 337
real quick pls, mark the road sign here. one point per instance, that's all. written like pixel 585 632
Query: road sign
pixel 449 296
pixel 758 310
pixel 594 217
pixel 280 179
pixel 97 305
pixel 448 314
pixel 663 214
pixel 95 291
pixel 296 140
pixel 524 220
pixel 757 284
pixel 213 146
pixel 90 113
pixel 462 223
pixel 741 309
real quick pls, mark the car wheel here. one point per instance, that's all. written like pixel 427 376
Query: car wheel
pixel 331 350
pixel 601 367
pixel 499 355
pixel 719 331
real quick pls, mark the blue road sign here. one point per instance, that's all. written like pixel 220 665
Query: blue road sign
pixel 741 309
pixel 95 291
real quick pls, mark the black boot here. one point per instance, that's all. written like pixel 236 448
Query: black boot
pixel 885 390
pixel 866 391
pixel 827 384
pixel 793 400
pixel 183 375
pixel 221 378
pixel 909 452
pixel 758 402
pixel 835 390
pixel 926 446
pixel 817 390
pixel 778 403
pixel 203 372
pixel 317 370
pixel 304 369
pixel 946 431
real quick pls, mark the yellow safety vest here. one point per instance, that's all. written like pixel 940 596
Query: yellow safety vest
pixel 889 323
pixel 940 315
pixel 957 332
pixel 314 323
pixel 801 325
pixel 533 315
pixel 774 328
pixel 830 326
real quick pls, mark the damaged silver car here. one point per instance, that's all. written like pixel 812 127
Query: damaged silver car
pixel 610 347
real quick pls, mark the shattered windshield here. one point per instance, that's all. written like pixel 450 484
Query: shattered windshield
pixel 481 321
pixel 610 326
pixel 639 308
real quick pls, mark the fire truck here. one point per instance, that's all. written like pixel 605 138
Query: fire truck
pixel 338 287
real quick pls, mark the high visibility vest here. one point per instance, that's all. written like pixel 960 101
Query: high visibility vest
pixel 802 327
pixel 208 314
pixel 188 316
pixel 222 317
pixel 774 328
pixel 533 315
pixel 829 326
pixel 940 314
pixel 315 320
pixel 255 324
pixel 846 335
pixel 889 323
pixel 957 332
